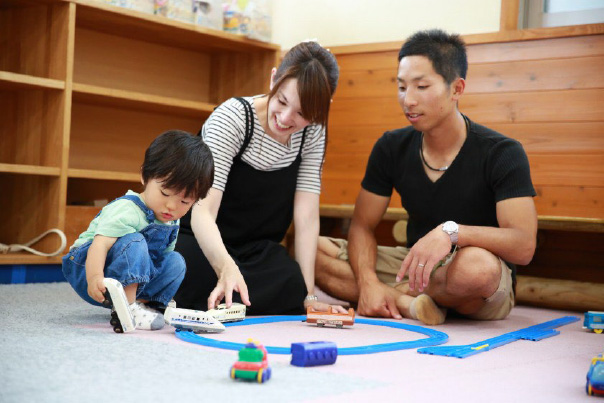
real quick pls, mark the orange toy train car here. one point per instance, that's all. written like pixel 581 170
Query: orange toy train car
pixel 330 317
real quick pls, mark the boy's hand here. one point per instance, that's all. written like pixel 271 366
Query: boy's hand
pixel 96 288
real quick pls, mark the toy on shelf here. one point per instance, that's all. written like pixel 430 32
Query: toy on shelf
pixel 115 298
pixel 189 319
pixel 252 364
pixel 595 376
pixel 533 333
pixel 314 353
pixel 331 317
pixel 594 321
pixel 233 314
pixel 208 13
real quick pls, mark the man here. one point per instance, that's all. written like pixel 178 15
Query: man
pixel 468 193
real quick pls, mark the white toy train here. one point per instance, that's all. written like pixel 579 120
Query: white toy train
pixel 199 321
pixel 233 314
pixel 189 319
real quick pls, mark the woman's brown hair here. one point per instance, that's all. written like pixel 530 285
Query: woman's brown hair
pixel 316 70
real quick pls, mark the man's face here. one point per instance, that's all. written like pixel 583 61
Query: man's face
pixel 423 94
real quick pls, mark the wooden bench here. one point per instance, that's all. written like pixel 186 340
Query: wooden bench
pixel 542 87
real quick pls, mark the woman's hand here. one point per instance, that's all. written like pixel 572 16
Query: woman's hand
pixel 323 307
pixel 229 280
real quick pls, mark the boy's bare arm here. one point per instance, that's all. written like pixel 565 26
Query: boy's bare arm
pixel 95 264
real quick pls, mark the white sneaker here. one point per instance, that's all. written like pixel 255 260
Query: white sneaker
pixel 145 317
pixel 115 298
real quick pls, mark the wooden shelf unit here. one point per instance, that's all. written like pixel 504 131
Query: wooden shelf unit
pixel 84 89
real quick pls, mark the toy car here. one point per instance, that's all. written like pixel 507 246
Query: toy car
pixel 190 319
pixel 330 317
pixel 314 353
pixel 595 376
pixel 594 321
pixel 252 364
pixel 233 314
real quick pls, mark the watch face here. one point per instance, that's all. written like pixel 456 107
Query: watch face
pixel 450 227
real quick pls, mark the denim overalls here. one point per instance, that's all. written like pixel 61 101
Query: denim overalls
pixel 134 258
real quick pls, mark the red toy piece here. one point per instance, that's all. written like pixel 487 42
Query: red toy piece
pixel 252 364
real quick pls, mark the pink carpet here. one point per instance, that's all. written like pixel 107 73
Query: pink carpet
pixel 549 370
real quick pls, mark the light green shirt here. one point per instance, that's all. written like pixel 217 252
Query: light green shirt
pixel 119 218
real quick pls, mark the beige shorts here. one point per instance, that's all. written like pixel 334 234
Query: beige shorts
pixel 390 259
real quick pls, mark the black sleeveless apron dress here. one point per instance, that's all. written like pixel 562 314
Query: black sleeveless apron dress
pixel 255 213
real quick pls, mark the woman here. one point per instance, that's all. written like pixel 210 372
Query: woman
pixel 268 152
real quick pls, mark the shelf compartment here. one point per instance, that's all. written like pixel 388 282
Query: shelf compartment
pixel 92 94
pixel 124 63
pixel 34 37
pixel 27 220
pixel 31 132
pixel 87 192
pixel 161 30
pixel 30 169
pixel 77 220
pixel 105 138
pixel 16 81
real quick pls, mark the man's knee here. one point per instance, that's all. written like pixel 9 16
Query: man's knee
pixel 475 272
pixel 326 247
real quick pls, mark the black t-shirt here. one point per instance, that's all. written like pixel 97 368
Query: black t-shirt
pixel 490 167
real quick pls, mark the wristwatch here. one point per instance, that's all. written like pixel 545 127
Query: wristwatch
pixel 452 229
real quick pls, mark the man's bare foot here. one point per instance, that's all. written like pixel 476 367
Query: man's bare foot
pixel 423 308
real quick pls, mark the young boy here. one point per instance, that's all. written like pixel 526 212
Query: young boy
pixel 132 239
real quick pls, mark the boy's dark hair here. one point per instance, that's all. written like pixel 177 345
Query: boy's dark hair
pixel 182 161
pixel 447 52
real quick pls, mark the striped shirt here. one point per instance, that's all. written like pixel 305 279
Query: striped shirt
pixel 224 133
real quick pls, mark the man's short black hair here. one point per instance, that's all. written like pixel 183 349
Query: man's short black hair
pixel 447 52
pixel 182 161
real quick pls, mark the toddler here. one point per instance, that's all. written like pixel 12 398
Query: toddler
pixel 132 238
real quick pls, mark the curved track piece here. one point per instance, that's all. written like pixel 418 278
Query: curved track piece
pixel 434 336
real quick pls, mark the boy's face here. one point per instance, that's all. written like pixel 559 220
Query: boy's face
pixel 167 204
pixel 423 94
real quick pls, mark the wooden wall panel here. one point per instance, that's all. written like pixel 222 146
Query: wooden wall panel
pixel 536 75
pixel 570 201
pixel 546 138
pixel 531 75
pixel 538 106
pixel 541 49
pixel 568 169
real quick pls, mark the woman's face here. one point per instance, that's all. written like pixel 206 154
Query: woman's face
pixel 284 111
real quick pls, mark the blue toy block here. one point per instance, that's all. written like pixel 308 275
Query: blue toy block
pixel 314 353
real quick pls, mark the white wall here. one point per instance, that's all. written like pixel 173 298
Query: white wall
pixel 345 22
